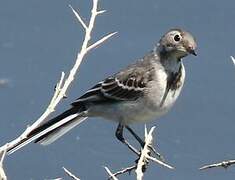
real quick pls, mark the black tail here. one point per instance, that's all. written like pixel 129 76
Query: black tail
pixel 51 122
pixel 51 130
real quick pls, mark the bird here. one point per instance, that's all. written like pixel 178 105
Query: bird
pixel 141 92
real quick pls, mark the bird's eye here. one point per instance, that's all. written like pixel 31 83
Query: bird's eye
pixel 177 37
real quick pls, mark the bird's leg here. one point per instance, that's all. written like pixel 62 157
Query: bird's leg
pixel 119 135
pixel 142 143
pixel 135 136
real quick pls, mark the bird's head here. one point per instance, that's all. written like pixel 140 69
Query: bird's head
pixel 177 43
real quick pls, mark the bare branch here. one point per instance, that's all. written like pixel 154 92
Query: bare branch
pixel 70 174
pixel 144 153
pixel 57 90
pixel 79 18
pixel 97 43
pixel 125 170
pixel 111 175
pixel 3 154
pixel 224 164
pixel 59 84
pixel 101 12
pixel 2 172
pixel 159 162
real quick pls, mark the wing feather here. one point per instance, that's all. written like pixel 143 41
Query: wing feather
pixel 129 84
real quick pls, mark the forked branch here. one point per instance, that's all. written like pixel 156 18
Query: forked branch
pixel 64 83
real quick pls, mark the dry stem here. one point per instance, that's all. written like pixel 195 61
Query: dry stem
pixel 70 174
pixel 224 164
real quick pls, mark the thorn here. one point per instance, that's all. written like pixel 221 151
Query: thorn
pixel 101 11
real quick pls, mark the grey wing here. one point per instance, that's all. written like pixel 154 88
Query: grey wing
pixel 111 89
pixel 127 85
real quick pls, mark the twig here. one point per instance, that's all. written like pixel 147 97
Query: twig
pixel 97 43
pixel 111 175
pixel 70 174
pixel 144 153
pixel 160 162
pixel 2 172
pixel 224 164
pixel 125 170
pixel 79 18
pixel 233 59
pixel 57 89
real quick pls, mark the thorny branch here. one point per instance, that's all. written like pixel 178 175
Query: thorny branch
pixel 224 164
pixel 63 84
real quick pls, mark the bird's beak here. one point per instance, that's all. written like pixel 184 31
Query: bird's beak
pixel 192 51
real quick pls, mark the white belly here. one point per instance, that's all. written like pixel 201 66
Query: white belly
pixel 144 109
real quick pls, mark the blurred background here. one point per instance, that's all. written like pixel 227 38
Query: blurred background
pixel 39 39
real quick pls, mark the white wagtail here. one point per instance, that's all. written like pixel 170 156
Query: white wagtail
pixel 141 92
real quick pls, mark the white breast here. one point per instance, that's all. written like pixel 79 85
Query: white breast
pixel 173 94
pixel 152 108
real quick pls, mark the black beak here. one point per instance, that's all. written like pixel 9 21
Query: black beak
pixel 192 51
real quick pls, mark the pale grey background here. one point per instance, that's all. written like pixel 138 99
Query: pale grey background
pixel 39 39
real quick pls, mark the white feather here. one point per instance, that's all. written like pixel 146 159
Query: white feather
pixel 54 126
pixel 63 130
